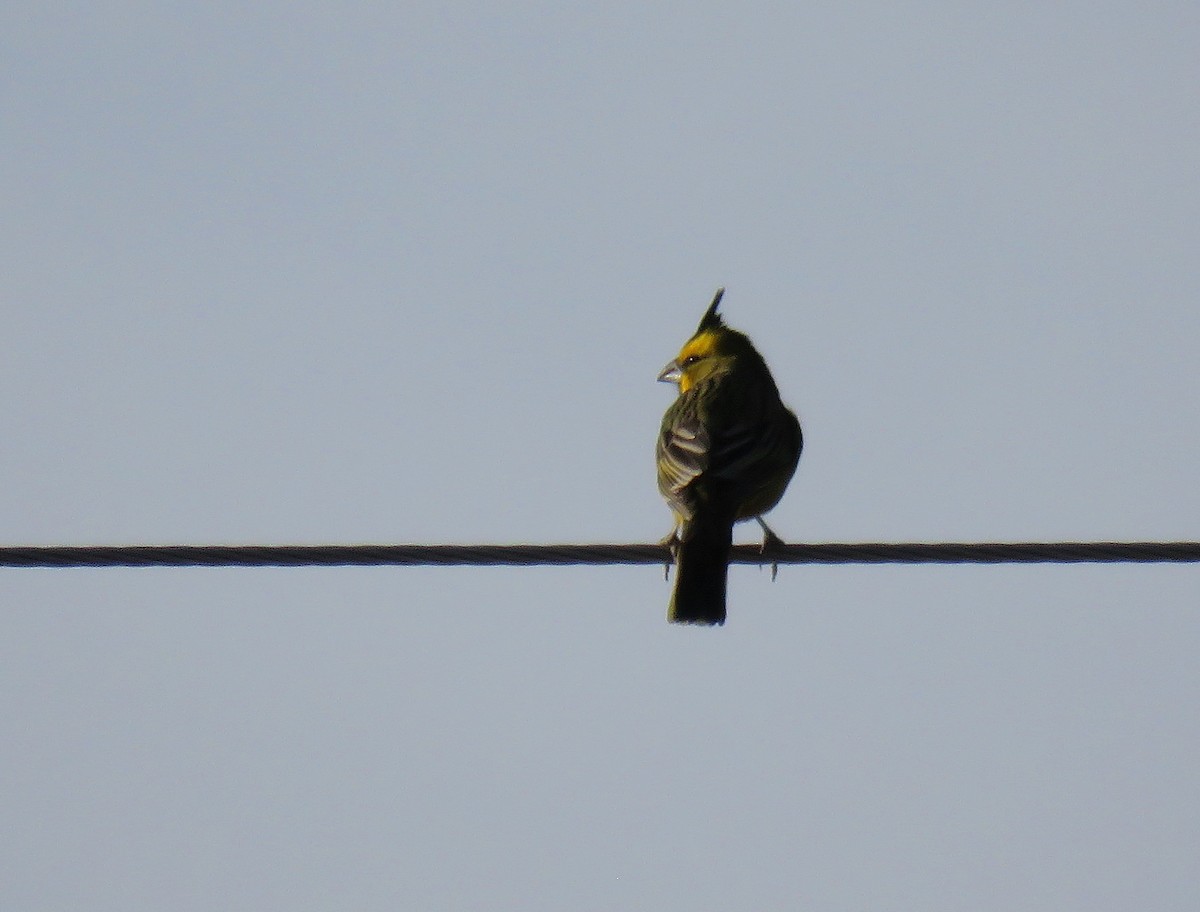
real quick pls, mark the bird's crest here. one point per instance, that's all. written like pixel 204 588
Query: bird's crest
pixel 712 319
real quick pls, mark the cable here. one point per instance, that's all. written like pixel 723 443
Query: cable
pixel 576 555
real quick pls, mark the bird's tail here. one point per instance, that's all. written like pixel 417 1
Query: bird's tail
pixel 701 562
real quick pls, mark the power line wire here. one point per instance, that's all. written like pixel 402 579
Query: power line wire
pixel 576 555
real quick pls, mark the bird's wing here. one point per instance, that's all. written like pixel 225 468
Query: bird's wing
pixel 691 450
pixel 683 454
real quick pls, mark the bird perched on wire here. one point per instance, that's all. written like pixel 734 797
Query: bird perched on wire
pixel 727 449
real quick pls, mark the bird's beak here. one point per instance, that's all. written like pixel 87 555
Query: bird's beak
pixel 672 373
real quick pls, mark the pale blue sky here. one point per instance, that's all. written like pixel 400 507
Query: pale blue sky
pixel 407 274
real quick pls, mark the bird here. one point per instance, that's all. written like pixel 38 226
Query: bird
pixel 726 451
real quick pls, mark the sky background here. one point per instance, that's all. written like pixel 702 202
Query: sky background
pixel 316 273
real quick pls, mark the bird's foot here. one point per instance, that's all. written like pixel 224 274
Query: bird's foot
pixel 671 543
pixel 770 542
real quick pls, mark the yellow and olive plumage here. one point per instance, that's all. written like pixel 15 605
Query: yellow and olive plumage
pixel 726 452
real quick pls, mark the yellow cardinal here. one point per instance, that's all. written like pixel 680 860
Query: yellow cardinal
pixel 726 452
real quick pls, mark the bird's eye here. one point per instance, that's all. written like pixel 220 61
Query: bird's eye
pixel 690 360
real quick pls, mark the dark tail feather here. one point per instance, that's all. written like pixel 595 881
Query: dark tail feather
pixel 700 570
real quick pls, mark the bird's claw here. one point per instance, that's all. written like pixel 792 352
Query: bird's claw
pixel 671 543
pixel 770 542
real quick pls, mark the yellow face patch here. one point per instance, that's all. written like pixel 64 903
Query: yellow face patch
pixel 699 347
